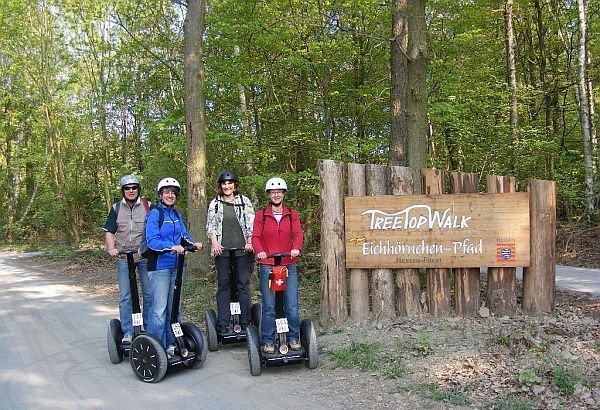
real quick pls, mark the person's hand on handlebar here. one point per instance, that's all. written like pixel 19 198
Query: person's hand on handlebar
pixel 248 247
pixel 113 252
pixel 199 246
pixel 294 253
pixel 262 255
pixel 216 247
pixel 178 249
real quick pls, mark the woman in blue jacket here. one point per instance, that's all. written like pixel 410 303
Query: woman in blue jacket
pixel 165 235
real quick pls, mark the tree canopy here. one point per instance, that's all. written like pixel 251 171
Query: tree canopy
pixel 94 89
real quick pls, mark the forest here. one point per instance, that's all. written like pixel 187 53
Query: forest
pixel 95 89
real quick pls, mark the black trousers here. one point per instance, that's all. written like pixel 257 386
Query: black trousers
pixel 244 265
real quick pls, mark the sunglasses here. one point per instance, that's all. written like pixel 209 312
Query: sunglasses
pixel 130 188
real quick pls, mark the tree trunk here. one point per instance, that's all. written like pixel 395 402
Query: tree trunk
pixel 416 98
pixel 502 282
pixel 334 300
pixel 466 280
pixel 398 131
pixel 539 280
pixel 382 280
pixel 250 191
pixel 584 111
pixel 408 284
pixel 359 278
pixel 510 44
pixel 438 281
pixel 195 127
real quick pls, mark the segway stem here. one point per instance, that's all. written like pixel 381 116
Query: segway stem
pixel 177 295
pixel 133 289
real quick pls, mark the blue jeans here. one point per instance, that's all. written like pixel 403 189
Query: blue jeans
pixel 162 283
pixel 267 325
pixel 125 304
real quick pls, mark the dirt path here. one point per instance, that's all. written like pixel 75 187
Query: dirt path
pixel 545 362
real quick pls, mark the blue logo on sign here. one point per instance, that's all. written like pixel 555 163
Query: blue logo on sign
pixel 505 253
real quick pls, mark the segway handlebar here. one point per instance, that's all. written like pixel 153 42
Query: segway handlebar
pixel 281 255
pixel 189 248
pixel 225 249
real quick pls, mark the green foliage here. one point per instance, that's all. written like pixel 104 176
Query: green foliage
pixel 97 91
pixel 423 344
pixel 433 392
pixel 514 403
pixel 527 379
pixel 565 379
pixel 394 368
pixel 59 253
pixel 363 355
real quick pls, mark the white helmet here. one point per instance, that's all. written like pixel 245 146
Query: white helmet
pixel 275 183
pixel 129 180
pixel 168 182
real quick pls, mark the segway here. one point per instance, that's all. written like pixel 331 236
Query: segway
pixel 148 357
pixel 116 349
pixel 234 332
pixel 308 354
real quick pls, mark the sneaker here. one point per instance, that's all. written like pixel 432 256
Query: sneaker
pixel 127 339
pixel 295 345
pixel 268 349
pixel 171 351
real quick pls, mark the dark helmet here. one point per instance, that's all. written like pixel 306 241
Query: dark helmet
pixel 227 176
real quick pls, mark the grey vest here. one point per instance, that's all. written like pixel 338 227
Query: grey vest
pixel 131 223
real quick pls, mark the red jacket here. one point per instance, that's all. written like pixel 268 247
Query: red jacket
pixel 276 237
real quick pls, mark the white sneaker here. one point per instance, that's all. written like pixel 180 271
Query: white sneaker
pixel 171 351
pixel 127 339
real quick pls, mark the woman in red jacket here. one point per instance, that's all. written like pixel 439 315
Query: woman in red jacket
pixel 277 230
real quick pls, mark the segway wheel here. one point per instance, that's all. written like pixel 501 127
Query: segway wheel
pixel 194 340
pixel 148 359
pixel 309 341
pixel 253 350
pixel 113 340
pixel 210 319
pixel 256 314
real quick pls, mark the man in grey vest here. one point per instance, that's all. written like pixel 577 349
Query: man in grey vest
pixel 123 233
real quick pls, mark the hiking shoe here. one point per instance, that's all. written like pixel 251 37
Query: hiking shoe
pixel 269 349
pixel 171 351
pixel 295 345
pixel 127 339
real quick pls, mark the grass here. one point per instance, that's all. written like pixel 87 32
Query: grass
pixel 395 369
pixel 433 392
pixel 423 344
pixel 514 403
pixel 565 379
pixel 527 379
pixel 363 355
pixel 198 295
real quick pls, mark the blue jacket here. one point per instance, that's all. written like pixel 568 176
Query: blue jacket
pixel 171 233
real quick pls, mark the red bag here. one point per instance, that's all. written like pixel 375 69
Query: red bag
pixel 279 278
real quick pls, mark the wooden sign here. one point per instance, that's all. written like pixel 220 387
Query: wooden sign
pixel 441 231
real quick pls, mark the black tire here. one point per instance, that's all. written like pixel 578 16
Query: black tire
pixel 210 319
pixel 148 359
pixel 253 350
pixel 113 340
pixel 309 341
pixel 256 314
pixel 194 340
